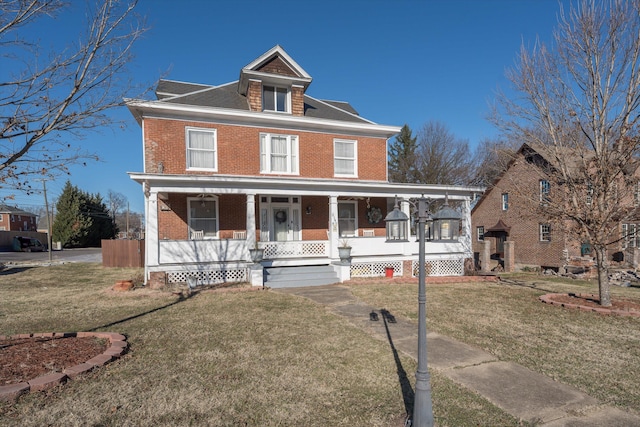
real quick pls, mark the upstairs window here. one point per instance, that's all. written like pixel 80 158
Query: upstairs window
pixel 202 149
pixel 545 233
pixel 631 236
pixel 278 154
pixel 545 188
pixel 636 194
pixel 505 201
pixel 345 161
pixel 589 198
pixel 275 99
pixel 480 233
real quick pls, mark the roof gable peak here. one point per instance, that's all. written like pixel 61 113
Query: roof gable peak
pixel 275 66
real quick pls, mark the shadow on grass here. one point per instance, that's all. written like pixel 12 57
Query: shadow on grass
pixel 14 270
pixel 408 395
pixel 182 298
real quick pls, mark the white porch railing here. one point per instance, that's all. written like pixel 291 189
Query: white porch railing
pixel 295 249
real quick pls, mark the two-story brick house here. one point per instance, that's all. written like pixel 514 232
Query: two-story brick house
pixel 16 219
pixel 258 162
pixel 504 214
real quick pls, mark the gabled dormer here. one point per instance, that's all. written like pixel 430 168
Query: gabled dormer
pixel 274 82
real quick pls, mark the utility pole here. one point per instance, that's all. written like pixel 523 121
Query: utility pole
pixel 49 219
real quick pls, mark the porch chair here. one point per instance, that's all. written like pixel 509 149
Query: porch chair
pixel 240 234
pixel 197 234
pixel 370 232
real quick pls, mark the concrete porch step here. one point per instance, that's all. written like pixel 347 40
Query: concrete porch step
pixel 289 277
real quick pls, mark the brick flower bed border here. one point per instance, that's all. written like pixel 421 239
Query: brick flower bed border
pixel 118 346
pixel 548 299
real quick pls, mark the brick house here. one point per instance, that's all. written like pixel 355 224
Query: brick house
pixel 16 219
pixel 501 218
pixel 258 162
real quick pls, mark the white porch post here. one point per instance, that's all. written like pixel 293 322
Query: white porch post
pixel 333 227
pixel 251 219
pixel 466 228
pixel 151 233
pixel 405 207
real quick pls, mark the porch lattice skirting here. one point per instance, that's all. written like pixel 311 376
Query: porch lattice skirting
pixel 375 269
pixel 208 277
pixel 440 267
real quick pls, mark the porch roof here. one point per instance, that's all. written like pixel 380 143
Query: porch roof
pixel 232 184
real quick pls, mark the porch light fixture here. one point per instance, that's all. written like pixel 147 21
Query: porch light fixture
pixel 396 226
pixel 308 210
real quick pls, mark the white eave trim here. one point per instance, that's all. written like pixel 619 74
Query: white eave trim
pixel 228 184
pixel 140 109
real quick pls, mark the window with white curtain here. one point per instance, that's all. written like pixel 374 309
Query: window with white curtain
pixel 203 216
pixel 201 149
pixel 344 157
pixel 278 153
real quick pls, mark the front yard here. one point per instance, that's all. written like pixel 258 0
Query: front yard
pixel 261 358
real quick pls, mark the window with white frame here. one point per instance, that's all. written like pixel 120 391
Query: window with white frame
pixel 278 153
pixel 345 161
pixel 636 194
pixel 505 201
pixel 545 232
pixel 545 188
pixel 275 99
pixel 630 236
pixel 589 198
pixel 202 149
pixel 347 219
pixel 480 233
pixel 203 217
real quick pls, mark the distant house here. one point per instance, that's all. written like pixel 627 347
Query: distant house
pixel 501 216
pixel 258 163
pixel 16 219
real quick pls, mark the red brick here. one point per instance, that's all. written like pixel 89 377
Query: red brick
pixel 11 393
pixel 74 371
pixel 119 344
pixel 46 382
pixel 99 360
pixel 114 352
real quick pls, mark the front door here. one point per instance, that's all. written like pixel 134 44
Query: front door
pixel 281 221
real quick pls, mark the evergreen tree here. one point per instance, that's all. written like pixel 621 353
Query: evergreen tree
pixel 402 157
pixel 82 219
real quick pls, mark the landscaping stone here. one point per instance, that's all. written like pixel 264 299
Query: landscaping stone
pixel 46 382
pixel 11 393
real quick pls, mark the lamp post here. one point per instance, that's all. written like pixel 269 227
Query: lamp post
pixel 396 222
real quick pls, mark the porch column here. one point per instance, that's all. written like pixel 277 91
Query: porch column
pixel 333 227
pixel 251 219
pixel 405 207
pixel 465 237
pixel 151 233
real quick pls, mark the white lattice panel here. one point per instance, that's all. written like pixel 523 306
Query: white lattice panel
pixel 374 269
pixel 208 277
pixel 440 267
pixel 294 249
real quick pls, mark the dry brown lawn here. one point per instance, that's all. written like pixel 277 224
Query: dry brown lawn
pixel 254 358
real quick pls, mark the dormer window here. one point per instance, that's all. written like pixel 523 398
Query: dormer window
pixel 275 99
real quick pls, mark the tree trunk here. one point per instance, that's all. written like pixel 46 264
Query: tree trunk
pixel 603 275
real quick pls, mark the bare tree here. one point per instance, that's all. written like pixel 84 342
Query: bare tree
pixel 116 201
pixel 492 158
pixel 442 157
pixel 49 98
pixel 580 99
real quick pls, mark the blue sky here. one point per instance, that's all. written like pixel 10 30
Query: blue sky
pixel 396 61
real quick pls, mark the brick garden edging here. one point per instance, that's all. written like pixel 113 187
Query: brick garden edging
pixel 118 346
pixel 548 299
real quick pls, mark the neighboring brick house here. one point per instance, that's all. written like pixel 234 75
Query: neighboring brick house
pixel 258 162
pixel 16 219
pixel 501 215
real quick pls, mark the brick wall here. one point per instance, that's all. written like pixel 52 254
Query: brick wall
pixel 239 150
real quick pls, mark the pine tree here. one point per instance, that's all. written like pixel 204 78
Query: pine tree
pixel 402 157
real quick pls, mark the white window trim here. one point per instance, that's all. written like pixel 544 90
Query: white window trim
pixel 215 148
pixel 293 144
pixel 541 232
pixel 544 195
pixel 217 218
pixel 355 158
pixel 287 102
pixel 505 201
pixel 355 223
pixel 478 228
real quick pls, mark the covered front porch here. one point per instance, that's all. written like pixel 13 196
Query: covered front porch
pixel 205 227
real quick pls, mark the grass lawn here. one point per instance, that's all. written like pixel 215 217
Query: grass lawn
pixel 598 354
pixel 235 358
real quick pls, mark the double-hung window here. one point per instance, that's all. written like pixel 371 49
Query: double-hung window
pixel 545 232
pixel 480 233
pixel 345 159
pixel 275 99
pixel 278 154
pixel 505 201
pixel 203 217
pixel 347 219
pixel 631 236
pixel 636 194
pixel 201 149
pixel 545 188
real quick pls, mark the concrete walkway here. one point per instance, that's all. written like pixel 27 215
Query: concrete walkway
pixel 523 393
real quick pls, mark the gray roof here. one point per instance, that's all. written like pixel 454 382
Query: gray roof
pixel 227 96
pixel 6 209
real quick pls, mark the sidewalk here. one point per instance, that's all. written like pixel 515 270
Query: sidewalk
pixel 525 394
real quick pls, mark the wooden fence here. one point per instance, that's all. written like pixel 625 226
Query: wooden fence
pixel 123 253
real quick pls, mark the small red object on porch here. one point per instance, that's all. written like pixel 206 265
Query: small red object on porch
pixel 388 271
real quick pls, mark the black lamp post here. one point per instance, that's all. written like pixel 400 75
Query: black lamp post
pixel 396 222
